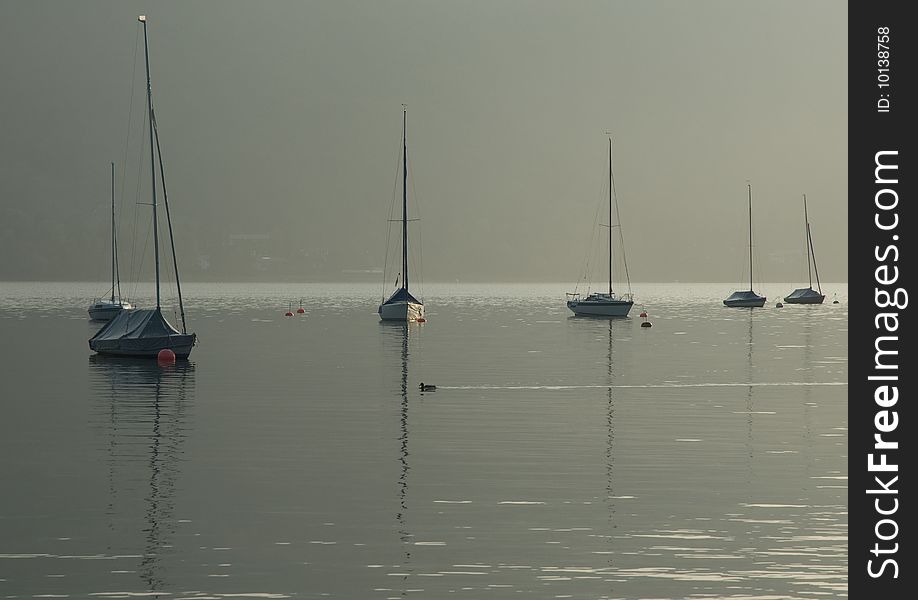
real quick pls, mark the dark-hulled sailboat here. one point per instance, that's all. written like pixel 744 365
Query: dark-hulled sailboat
pixel 807 295
pixel 599 304
pixel 144 332
pixel 747 298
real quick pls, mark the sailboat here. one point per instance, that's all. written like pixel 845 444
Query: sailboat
pixel 104 309
pixel 603 304
pixel 402 305
pixel 144 332
pixel 747 298
pixel 807 295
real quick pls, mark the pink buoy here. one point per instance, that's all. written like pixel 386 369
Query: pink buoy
pixel 165 356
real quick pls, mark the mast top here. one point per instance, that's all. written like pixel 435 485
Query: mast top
pixel 142 18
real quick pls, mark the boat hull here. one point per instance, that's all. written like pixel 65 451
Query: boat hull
pixel 805 296
pixel 745 303
pixel 745 299
pixel 401 311
pixel 817 300
pixel 607 308
pixel 106 311
pixel 147 347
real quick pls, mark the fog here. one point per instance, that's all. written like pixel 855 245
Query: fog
pixel 281 130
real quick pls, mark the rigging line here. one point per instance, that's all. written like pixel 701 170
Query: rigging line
pixel 813 251
pixel 620 235
pixel 594 240
pixel 420 247
pixel 127 140
pixel 385 280
pixel 162 175
pixel 135 275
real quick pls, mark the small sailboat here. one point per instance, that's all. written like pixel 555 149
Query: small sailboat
pixel 105 309
pixel 402 305
pixel 747 298
pixel 600 304
pixel 144 332
pixel 807 295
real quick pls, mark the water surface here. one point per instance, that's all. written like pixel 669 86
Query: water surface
pixel 560 457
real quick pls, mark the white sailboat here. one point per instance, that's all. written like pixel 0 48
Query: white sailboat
pixel 807 295
pixel 105 309
pixel 600 304
pixel 144 332
pixel 747 298
pixel 402 305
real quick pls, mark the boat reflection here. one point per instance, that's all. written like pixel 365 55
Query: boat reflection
pixel 396 337
pixel 143 408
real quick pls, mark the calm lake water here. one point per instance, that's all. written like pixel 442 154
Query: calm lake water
pixel 560 457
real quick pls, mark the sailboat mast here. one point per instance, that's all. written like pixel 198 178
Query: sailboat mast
pixel 146 52
pixel 405 198
pixel 610 217
pixel 749 186
pixel 806 222
pixel 114 243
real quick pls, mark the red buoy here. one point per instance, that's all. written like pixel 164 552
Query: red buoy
pixel 422 320
pixel 643 313
pixel 165 356
pixel 301 310
pixel 288 314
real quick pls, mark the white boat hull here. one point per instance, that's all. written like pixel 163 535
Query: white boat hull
pixel 106 310
pixel 401 311
pixel 609 308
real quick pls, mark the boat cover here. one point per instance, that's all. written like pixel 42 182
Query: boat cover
pixel 140 332
pixel 402 295
pixel 803 293
pixel 744 295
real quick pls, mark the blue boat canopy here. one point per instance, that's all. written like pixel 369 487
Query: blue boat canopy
pixel 803 293
pixel 745 295
pixel 402 295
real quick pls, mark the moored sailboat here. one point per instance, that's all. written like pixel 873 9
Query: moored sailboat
pixel 747 298
pixel 807 295
pixel 144 333
pixel 402 305
pixel 600 304
pixel 105 309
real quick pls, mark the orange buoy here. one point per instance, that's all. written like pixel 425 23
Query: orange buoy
pixel 165 356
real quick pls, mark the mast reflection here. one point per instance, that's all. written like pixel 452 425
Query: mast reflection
pixel 143 408
pixel 396 335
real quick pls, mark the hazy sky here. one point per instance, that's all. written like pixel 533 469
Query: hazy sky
pixel 281 124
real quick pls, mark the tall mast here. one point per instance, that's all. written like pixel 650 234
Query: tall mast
pixel 749 186
pixel 405 198
pixel 806 222
pixel 114 243
pixel 610 217
pixel 146 53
